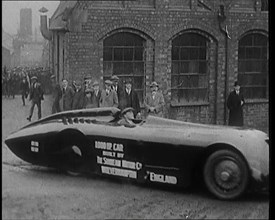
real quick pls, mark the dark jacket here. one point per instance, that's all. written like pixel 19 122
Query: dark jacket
pixel 235 109
pixel 95 99
pixel 78 99
pixel 24 87
pixel 36 92
pixel 56 93
pixel 67 96
pixel 130 100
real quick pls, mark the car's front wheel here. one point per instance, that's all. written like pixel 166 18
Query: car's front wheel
pixel 226 174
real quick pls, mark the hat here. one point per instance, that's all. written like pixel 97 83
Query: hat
pixel 95 83
pixel 33 78
pixel 52 77
pixel 114 78
pixel 154 84
pixel 124 111
pixel 77 82
pixel 88 90
pixel 108 82
pixel 236 84
pixel 128 81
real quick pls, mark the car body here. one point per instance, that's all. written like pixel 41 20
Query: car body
pixel 230 160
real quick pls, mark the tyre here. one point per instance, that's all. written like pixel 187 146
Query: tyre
pixel 226 174
pixel 74 154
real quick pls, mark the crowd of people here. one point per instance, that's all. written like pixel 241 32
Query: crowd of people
pixel 88 94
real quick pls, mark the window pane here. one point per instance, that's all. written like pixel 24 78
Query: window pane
pixel 202 53
pixel 202 67
pixel 174 81
pixel 118 53
pixel 128 54
pixel 107 68
pixel 184 67
pixel 194 53
pixel 128 68
pixel 193 67
pixel 175 53
pixel 138 82
pixel 107 54
pixel 139 68
pixel 175 67
pixel 203 95
pixel 138 53
pixel 184 53
pixel 118 68
pixel 203 81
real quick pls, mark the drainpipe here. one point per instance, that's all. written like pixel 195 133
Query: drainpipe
pixel 46 33
pixel 223 29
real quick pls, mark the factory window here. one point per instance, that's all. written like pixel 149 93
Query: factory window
pixel 253 66
pixel 189 69
pixel 124 56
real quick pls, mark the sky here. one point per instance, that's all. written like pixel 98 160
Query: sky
pixel 11 13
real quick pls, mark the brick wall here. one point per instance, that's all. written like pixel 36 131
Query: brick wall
pixel 158 24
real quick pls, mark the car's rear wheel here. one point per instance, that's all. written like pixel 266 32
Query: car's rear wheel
pixel 226 174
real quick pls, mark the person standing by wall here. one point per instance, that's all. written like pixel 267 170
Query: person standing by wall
pixel 117 87
pixel 56 95
pixel 36 95
pixel 108 96
pixel 235 104
pixel 129 98
pixel 24 89
pixel 96 94
pixel 154 102
pixel 78 98
pixel 67 96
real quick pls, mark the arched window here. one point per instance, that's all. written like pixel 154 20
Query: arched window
pixel 124 56
pixel 253 66
pixel 189 69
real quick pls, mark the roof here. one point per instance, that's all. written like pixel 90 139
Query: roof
pixel 56 22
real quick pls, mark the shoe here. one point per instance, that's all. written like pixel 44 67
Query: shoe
pixel 28 118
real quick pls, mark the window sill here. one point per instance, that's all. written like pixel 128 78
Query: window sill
pixel 256 101
pixel 176 104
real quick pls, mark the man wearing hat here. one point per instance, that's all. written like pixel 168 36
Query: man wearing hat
pixel 24 89
pixel 154 102
pixel 36 95
pixel 78 97
pixel 235 104
pixel 67 96
pixel 129 98
pixel 116 86
pixel 96 94
pixel 87 82
pixel 127 116
pixel 108 96
pixel 56 95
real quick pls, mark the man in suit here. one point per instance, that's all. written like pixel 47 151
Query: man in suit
pixel 96 94
pixel 67 96
pixel 129 98
pixel 154 102
pixel 56 95
pixel 235 104
pixel 108 96
pixel 78 98
pixel 117 87
pixel 36 95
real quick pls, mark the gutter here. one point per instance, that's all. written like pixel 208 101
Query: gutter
pixel 46 33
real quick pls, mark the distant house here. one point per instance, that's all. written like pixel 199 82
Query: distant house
pixel 195 50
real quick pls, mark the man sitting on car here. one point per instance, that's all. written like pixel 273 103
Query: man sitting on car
pixel 127 116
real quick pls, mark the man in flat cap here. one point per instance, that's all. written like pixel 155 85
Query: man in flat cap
pixel 129 98
pixel 56 95
pixel 78 98
pixel 87 82
pixel 67 96
pixel 36 95
pixel 116 86
pixel 96 94
pixel 154 102
pixel 108 96
pixel 235 104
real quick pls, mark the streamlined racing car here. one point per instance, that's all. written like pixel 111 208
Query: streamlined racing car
pixel 230 160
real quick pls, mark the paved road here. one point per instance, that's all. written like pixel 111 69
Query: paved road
pixel 32 192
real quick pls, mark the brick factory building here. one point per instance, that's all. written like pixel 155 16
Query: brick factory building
pixel 195 50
